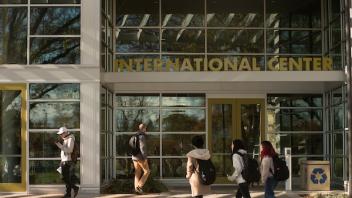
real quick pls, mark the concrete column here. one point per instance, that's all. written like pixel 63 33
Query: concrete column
pixel 90 137
pixel 90 97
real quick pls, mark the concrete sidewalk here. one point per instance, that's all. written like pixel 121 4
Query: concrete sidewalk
pixel 179 192
pixel 171 195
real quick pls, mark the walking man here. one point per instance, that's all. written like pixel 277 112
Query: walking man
pixel 140 161
pixel 67 165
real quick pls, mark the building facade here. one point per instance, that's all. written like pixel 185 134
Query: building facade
pixel 257 70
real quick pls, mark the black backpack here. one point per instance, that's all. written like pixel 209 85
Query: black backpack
pixel 281 172
pixel 250 172
pixel 206 171
pixel 75 152
pixel 134 144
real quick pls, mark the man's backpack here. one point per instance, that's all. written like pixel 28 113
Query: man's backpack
pixel 206 171
pixel 281 172
pixel 250 172
pixel 134 144
pixel 75 152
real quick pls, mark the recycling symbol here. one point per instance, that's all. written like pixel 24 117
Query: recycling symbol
pixel 318 176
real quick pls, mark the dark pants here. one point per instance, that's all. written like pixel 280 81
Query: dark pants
pixel 199 196
pixel 243 191
pixel 69 177
pixel 269 186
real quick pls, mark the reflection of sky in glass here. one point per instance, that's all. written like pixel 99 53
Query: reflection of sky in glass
pixel 137 101
pixel 54 91
pixel 128 120
pixel 183 101
pixel 54 115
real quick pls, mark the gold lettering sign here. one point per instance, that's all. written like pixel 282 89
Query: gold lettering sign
pixel 223 64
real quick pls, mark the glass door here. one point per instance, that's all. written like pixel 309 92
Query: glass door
pixel 230 119
pixel 12 138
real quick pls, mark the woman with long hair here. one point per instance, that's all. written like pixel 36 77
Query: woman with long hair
pixel 267 168
pixel 238 151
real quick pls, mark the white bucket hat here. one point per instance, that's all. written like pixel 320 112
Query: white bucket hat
pixel 62 130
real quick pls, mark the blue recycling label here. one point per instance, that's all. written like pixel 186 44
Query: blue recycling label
pixel 318 176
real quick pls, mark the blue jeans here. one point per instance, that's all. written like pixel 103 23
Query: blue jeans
pixel 269 186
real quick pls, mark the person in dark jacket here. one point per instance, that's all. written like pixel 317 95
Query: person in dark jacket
pixel 140 161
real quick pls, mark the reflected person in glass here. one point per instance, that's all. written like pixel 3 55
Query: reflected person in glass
pixel 67 165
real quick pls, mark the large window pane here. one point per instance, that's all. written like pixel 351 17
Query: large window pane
pixel 13 35
pixel 183 40
pixel 137 13
pixel 239 13
pixel 180 120
pixel 123 148
pixel 294 100
pixel 56 1
pixel 13 1
pixel 222 124
pixel 137 40
pixel 182 13
pixel 54 91
pixel 44 172
pixel 55 20
pixel 294 42
pixel 55 51
pixel 183 100
pixel 10 122
pixel 174 168
pixel 177 144
pixel 44 115
pixel 127 120
pixel 10 170
pixel 137 100
pixel 294 120
pixel 42 145
pixel 300 144
pixel 240 41
pixel 338 117
pixel 293 13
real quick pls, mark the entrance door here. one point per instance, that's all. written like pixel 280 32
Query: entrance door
pixel 12 138
pixel 230 119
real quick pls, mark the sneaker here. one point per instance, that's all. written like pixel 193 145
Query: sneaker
pixel 75 191
pixel 139 190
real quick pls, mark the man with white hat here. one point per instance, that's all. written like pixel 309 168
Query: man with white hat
pixel 67 166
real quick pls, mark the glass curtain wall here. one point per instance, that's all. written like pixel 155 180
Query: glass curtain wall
pixel 296 121
pixel 334 30
pixel 51 106
pixel 106 135
pixel 107 41
pixel 40 31
pixel 189 31
pixel 172 120
pixel 337 133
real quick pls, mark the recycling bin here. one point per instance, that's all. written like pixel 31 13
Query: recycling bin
pixel 315 175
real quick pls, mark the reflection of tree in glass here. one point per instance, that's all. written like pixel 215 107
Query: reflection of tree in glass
pixel 13 35
pixel 183 122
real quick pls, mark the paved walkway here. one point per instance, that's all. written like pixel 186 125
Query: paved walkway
pixel 170 195
pixel 184 192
